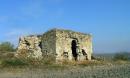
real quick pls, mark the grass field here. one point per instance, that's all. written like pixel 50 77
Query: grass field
pixel 105 68
pixel 105 71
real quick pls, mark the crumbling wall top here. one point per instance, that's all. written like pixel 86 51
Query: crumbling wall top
pixel 66 31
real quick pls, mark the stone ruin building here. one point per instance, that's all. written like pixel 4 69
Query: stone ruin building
pixel 62 44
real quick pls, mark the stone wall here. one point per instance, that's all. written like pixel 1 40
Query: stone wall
pixel 29 47
pixel 49 43
pixel 59 43
pixel 64 40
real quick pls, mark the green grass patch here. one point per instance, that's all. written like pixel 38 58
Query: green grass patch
pixel 13 62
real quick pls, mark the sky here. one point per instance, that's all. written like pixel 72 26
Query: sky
pixel 107 20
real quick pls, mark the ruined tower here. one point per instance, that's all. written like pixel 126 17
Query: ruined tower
pixel 60 43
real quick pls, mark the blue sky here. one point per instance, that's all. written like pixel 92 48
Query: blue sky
pixel 107 20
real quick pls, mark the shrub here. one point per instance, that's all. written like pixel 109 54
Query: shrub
pixel 97 58
pixel 7 55
pixel 121 56
pixel 90 63
pixel 7 47
pixel 13 62
pixel 48 59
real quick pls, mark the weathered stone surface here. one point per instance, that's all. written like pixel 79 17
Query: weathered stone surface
pixel 62 44
pixel 30 47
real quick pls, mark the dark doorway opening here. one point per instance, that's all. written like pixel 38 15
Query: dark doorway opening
pixel 40 45
pixel 74 49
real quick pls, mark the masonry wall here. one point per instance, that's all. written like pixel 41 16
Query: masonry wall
pixel 64 40
pixel 58 43
pixel 29 47
pixel 48 43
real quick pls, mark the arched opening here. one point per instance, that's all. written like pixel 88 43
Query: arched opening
pixel 74 49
